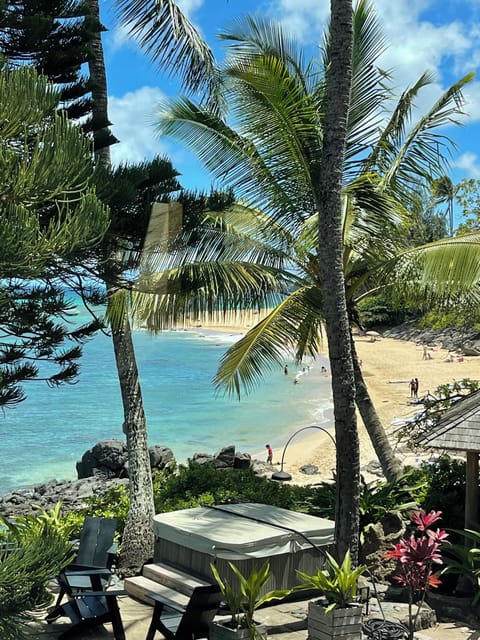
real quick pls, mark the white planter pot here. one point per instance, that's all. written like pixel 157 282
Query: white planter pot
pixel 219 631
pixel 344 624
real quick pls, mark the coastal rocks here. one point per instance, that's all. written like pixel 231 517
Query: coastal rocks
pixel 109 459
pixel 226 458
pixel 450 339
pixel 71 493
pixel 161 457
pixel 378 538
pixel 105 466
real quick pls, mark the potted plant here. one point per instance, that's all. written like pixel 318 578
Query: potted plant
pixel 335 614
pixel 243 599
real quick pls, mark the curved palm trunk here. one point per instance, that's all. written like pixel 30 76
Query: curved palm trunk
pixel 137 540
pixel 391 466
pixel 333 283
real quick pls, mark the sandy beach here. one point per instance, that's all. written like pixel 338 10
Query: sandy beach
pixel 388 365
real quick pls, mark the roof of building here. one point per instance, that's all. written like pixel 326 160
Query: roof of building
pixel 459 427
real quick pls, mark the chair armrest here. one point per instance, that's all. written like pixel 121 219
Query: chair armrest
pixel 89 572
pixel 166 601
pixel 98 594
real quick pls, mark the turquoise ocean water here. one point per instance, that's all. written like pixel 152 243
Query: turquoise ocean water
pixel 43 437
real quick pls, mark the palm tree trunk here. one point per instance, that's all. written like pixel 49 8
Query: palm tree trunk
pixel 391 466
pixel 98 79
pixel 137 540
pixel 333 283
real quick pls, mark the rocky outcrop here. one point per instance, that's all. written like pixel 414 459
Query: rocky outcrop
pixel 378 539
pixel 104 466
pixel 109 459
pixel 72 493
pixel 450 339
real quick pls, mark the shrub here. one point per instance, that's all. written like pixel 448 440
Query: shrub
pixel 33 552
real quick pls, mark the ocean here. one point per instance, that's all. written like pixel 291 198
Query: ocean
pixel 44 436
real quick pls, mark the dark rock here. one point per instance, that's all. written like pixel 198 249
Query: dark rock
pixel 452 608
pixel 160 457
pixel 309 469
pixel 242 461
pixel 225 459
pixel 202 458
pixel 106 459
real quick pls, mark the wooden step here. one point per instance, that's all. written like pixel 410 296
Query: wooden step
pixel 173 578
pixel 139 586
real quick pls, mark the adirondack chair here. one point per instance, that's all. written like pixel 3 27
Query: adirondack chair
pixel 175 622
pixel 96 550
pixel 92 607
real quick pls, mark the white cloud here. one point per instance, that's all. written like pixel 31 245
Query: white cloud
pixel 469 163
pixel 132 117
pixel 188 7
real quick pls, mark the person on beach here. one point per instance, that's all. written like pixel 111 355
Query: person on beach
pixel 269 454
pixel 412 388
pixel 415 391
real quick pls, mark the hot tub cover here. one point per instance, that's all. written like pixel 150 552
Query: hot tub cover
pixel 246 530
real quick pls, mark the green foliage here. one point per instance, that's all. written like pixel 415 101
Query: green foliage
pixel 444 489
pixel 464 559
pixel 32 552
pixel 338 583
pixel 200 484
pixel 376 498
pixel 456 318
pixel 380 310
pixel 244 598
pixel 63 525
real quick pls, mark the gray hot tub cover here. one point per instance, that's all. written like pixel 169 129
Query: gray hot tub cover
pixel 224 532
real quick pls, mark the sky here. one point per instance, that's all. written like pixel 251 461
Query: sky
pixel 442 36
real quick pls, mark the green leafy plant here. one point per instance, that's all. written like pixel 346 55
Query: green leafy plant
pixel 338 582
pixel 32 553
pixel 244 598
pixel 464 559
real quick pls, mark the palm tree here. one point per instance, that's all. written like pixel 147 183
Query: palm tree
pixel 272 160
pixel 175 44
pixel 443 190
pixel 327 190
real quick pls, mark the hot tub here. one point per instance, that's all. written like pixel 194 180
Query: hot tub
pixel 246 534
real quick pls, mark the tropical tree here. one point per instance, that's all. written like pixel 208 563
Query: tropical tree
pixel 443 190
pixel 49 216
pixel 327 192
pixel 55 37
pixel 174 44
pixel 271 158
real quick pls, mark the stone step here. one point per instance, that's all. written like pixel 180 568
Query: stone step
pixel 139 586
pixel 173 578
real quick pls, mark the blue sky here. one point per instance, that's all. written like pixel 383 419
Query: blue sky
pixel 438 35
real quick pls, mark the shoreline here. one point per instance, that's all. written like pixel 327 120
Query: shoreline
pixel 388 365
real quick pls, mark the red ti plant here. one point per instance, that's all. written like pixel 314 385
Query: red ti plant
pixel 417 555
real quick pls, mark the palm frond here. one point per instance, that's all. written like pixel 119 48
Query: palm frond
pixel 293 325
pixel 174 43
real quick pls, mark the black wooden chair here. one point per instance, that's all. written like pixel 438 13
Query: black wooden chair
pixel 92 607
pixel 175 622
pixel 96 550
